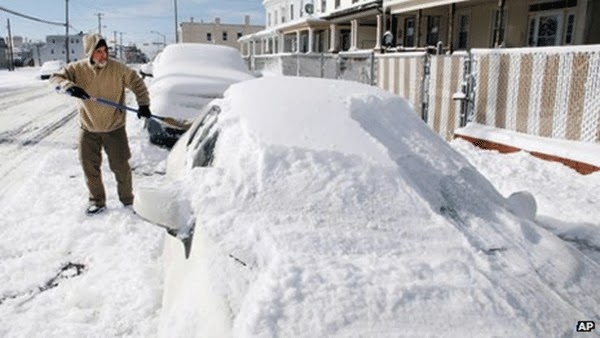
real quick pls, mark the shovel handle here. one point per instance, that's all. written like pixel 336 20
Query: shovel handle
pixel 167 120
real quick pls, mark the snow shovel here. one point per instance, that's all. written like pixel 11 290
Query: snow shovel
pixel 166 120
pixel 171 122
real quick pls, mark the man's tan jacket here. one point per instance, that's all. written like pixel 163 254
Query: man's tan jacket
pixel 108 82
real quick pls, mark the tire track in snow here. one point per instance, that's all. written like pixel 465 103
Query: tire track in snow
pixel 22 143
pixel 21 95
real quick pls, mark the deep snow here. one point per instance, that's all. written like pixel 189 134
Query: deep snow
pixel 118 293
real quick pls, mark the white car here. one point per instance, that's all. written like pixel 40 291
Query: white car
pixel 185 77
pixel 49 68
pixel 304 207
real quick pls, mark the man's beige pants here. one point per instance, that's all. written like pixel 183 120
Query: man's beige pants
pixel 116 146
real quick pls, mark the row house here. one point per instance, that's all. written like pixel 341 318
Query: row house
pixel 313 26
pixel 465 24
pixel 217 32
pixel 305 26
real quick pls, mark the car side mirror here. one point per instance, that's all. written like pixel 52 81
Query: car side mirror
pixel 168 209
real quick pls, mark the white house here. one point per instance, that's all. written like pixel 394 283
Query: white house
pixel 307 26
pixel 55 48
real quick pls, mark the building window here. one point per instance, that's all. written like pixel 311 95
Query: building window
pixel 208 36
pixel 547 30
pixel 269 20
pixel 544 29
pixel 409 32
pixel 276 17
pixel 323 6
pixel 224 35
pixel 433 30
pixel 291 12
pixel 282 15
pixel 239 34
pixel 337 4
pixel 354 1
pixel 301 11
pixel 52 51
pixel 344 40
pixel 463 32
pixel 570 31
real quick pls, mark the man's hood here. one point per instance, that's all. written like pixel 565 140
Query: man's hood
pixel 91 42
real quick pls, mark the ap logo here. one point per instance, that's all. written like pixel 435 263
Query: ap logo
pixel 585 326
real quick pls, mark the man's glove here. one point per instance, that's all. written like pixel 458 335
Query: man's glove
pixel 144 111
pixel 77 92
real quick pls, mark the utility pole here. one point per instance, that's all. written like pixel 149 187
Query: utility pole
pixel 11 62
pixel 100 15
pixel 115 40
pixel 176 30
pixel 121 45
pixel 67 29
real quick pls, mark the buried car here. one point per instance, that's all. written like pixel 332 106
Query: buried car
pixel 185 77
pixel 316 208
pixel 49 68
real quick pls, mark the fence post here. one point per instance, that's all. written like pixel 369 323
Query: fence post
pixel 425 88
pixel 470 90
pixel 372 59
pixel 322 59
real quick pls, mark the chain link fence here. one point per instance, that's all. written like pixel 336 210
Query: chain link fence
pixel 549 92
pixel 358 67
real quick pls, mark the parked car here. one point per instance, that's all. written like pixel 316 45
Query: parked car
pixel 146 68
pixel 186 76
pixel 49 68
pixel 304 207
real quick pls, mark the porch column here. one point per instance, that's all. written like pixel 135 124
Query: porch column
pixel 354 34
pixel 450 38
pixel 311 39
pixel 253 47
pixel 379 32
pixel 297 42
pixel 333 40
pixel 499 38
pixel 281 47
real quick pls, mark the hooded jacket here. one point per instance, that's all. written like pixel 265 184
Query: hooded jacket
pixel 108 82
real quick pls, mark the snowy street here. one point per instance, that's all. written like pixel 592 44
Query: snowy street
pixel 65 274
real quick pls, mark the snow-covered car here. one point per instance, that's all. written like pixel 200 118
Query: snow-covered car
pixel 304 207
pixel 49 68
pixel 185 78
pixel 146 69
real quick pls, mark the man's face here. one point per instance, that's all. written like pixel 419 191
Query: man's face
pixel 100 55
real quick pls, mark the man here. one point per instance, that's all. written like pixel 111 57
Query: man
pixel 103 126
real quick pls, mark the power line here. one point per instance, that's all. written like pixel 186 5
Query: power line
pixel 32 18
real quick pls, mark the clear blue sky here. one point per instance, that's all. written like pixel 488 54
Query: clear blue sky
pixel 135 18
